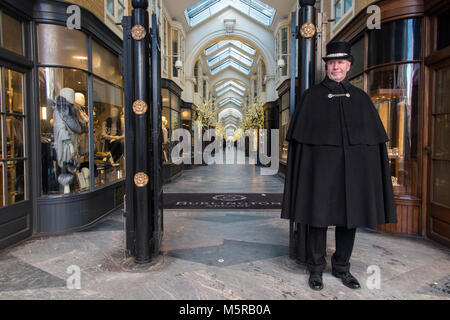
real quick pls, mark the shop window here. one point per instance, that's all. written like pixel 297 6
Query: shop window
pixel 284 125
pixel 105 64
pixel 12 34
pixel 13 161
pixel 109 133
pixel 171 121
pixel 401 41
pixel 394 91
pixel 67 107
pixel 166 125
pixel 64 125
pixel 57 45
pixel 357 52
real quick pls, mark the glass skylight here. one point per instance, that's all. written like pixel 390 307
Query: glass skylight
pixel 230 100
pixel 230 52
pixel 238 44
pixel 230 83
pixel 205 9
pixel 230 88
pixel 230 63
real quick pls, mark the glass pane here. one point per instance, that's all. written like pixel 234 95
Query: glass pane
pixel 109 133
pixel 166 131
pixel 348 5
pixel 110 6
pixel 13 91
pixel 338 10
pixel 283 132
pixel 105 64
pixel 14 137
pixel 441 137
pixel 401 42
pixel 394 91
pixel 442 104
pixel 358 82
pixel 16 181
pixel 357 52
pixel 64 130
pixel 441 182
pixel 57 45
pixel 12 34
pixel 175 119
pixel 175 102
pixel 120 9
pixel 165 98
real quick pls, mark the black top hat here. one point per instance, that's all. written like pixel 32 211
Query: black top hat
pixel 338 50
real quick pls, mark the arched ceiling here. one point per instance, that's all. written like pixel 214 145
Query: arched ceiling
pixel 229 59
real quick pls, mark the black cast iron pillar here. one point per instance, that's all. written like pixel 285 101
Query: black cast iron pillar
pixel 142 165
pixel 307 46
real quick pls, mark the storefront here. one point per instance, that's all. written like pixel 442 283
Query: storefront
pixel 62 159
pixel 171 121
pixel 389 66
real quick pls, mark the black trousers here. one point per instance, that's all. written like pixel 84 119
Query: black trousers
pixel 317 246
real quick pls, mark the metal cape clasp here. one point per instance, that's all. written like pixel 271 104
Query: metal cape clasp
pixel 331 96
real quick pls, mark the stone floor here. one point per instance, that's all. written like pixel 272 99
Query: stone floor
pixel 217 255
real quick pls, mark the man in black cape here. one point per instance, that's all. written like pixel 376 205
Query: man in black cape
pixel 338 169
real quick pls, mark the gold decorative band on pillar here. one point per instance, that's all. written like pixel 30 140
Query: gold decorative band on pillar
pixel 140 179
pixel 140 107
pixel 138 32
pixel 308 30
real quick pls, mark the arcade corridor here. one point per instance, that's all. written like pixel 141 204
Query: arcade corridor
pixel 217 254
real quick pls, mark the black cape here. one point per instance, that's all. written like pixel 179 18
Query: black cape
pixel 338 169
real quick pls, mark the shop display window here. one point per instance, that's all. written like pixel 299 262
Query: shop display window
pixel 171 120
pixel 109 133
pixel 105 64
pixel 58 45
pixel 64 130
pixel 284 125
pixel 66 94
pixel 394 91
pixel 13 159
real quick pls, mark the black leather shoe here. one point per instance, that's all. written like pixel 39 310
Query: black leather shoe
pixel 315 281
pixel 347 279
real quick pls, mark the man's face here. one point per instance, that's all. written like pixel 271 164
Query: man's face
pixel 337 69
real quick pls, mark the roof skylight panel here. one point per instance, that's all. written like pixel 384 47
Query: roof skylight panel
pixel 230 63
pixel 230 52
pixel 230 88
pixel 255 9
pixel 231 82
pixel 238 44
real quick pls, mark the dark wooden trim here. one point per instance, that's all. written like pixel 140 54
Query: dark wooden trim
pixel 19 8
pixel 438 56
pixel 433 7
pixel 54 12
pixel 172 86
pixel 390 10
